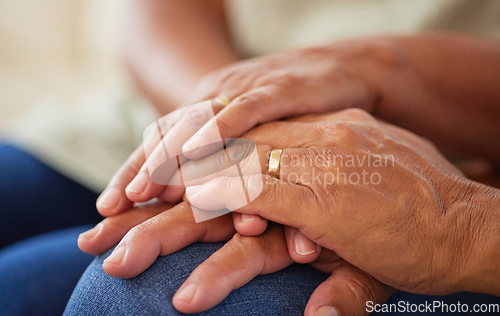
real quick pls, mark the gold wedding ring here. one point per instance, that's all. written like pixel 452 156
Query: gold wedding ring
pixel 223 100
pixel 274 163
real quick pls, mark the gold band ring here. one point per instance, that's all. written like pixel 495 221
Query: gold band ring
pixel 274 163
pixel 223 100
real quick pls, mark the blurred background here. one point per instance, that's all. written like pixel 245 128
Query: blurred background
pixel 56 49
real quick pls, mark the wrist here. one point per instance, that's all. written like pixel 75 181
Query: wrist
pixel 478 262
pixel 385 66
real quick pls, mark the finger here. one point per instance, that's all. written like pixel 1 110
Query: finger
pixel 259 105
pixel 256 106
pixel 113 199
pixel 111 230
pixel 222 273
pixel 166 156
pixel 300 248
pixel 242 158
pixel 249 225
pixel 279 201
pixel 346 292
pixel 153 135
pixel 161 235
pixel 172 193
pixel 295 164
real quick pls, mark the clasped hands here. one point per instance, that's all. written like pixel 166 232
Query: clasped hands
pixel 373 205
pixel 373 234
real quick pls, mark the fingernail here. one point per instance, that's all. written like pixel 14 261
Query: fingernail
pixel 186 294
pixel 249 217
pixel 192 190
pixel 117 255
pixel 108 199
pixel 303 245
pixel 138 184
pixel 327 311
pixel 91 233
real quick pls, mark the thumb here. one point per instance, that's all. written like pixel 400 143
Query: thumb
pixel 346 292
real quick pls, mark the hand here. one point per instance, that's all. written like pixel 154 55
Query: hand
pixel 181 125
pixel 159 229
pixel 319 79
pixel 374 74
pixel 398 210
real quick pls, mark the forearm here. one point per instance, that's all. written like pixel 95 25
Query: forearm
pixel 445 88
pixel 171 44
pixel 478 214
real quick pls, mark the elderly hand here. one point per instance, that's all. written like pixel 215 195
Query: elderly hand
pixel 375 74
pixel 158 229
pixel 319 79
pixel 381 197
pixel 182 124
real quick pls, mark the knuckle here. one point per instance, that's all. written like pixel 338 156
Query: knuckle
pixel 254 185
pixel 270 191
pixel 358 114
pixel 271 243
pixel 207 268
pixel 218 79
pixel 165 123
pixel 263 79
pixel 342 127
pixel 240 152
pixel 124 175
pixel 249 102
pixel 223 182
pixel 126 172
pixel 226 74
pixel 111 224
pixel 143 230
pixel 253 103
pixel 225 125
pixel 244 243
pixel 344 130
pixel 287 78
pixel 363 287
pixel 337 127
pixel 211 84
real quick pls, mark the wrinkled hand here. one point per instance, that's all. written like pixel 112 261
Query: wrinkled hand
pixel 158 229
pixel 382 198
pixel 121 194
pixel 311 80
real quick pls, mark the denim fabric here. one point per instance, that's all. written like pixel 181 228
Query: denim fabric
pixel 282 293
pixel 38 275
pixel 35 199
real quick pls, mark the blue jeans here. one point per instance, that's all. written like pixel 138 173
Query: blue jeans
pixel 35 199
pixel 38 275
pixel 285 292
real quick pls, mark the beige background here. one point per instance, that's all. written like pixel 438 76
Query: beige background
pixel 56 49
